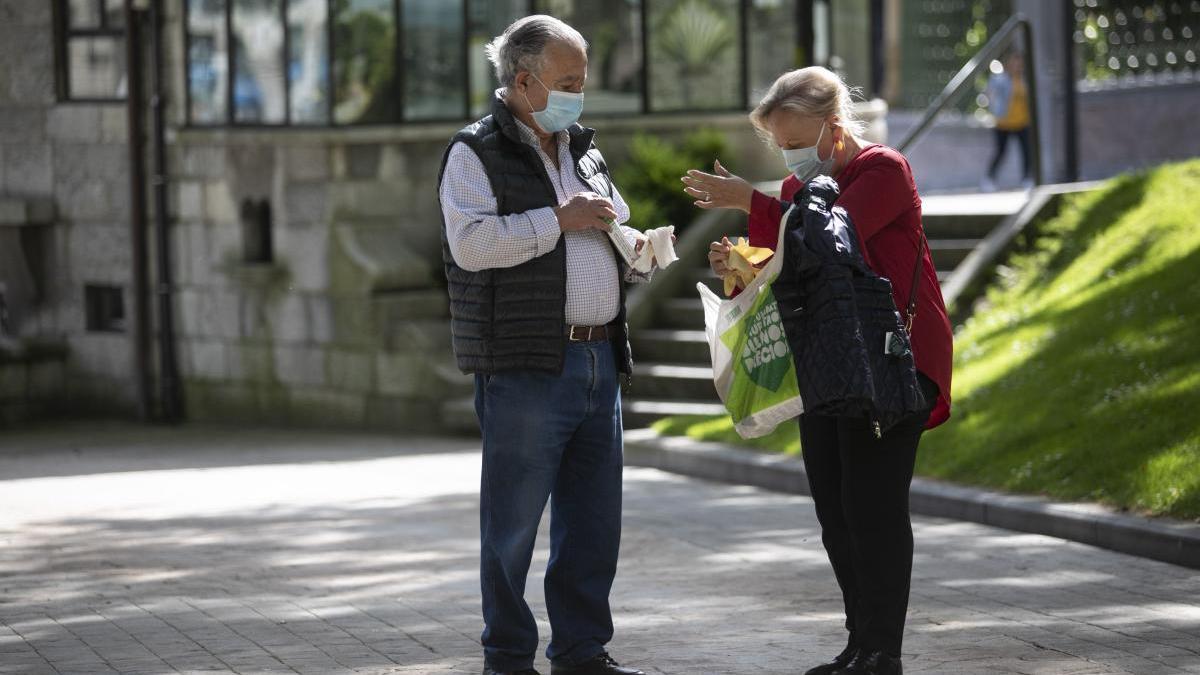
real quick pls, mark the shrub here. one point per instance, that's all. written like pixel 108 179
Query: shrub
pixel 649 179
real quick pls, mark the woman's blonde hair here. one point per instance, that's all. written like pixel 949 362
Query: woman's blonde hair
pixel 811 92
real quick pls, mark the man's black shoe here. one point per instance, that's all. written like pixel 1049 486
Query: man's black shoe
pixel 839 661
pixel 487 670
pixel 872 663
pixel 603 664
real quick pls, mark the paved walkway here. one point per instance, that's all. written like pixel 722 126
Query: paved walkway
pixel 152 551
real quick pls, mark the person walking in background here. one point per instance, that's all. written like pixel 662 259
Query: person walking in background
pixel 859 483
pixel 1008 99
pixel 537 311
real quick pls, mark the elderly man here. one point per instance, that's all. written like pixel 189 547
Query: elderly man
pixel 538 315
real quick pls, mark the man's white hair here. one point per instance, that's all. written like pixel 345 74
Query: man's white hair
pixel 522 45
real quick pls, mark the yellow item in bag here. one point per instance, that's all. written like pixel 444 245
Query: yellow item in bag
pixel 743 262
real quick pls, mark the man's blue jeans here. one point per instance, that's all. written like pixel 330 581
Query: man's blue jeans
pixel 557 437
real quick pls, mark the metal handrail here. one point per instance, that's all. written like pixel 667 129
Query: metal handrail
pixel 991 50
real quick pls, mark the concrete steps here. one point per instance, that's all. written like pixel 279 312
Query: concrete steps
pixel 689 381
pixel 640 413
pixel 949 253
pixel 670 346
pixel 682 313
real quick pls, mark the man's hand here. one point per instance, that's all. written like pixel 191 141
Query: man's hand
pixel 586 211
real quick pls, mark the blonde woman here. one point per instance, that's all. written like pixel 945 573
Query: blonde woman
pixel 859 484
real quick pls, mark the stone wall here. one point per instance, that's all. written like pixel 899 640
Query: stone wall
pixel 349 323
pixel 74 156
pixel 32 384
pixel 1135 125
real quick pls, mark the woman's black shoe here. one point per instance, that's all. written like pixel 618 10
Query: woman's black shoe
pixel 839 661
pixel 872 663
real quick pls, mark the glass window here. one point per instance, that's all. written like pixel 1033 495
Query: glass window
pixel 851 52
pixel 84 13
pixel 364 61
pixel 822 32
pixel 434 66
pixel 114 13
pixel 258 74
pixel 104 308
pixel 488 19
pixel 308 61
pixel 613 31
pixel 208 72
pixel 336 62
pixel 774 44
pixel 91 64
pixel 694 56
pixel 96 68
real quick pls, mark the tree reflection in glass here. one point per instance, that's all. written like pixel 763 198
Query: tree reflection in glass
pixel 208 46
pixel 772 48
pixel 434 69
pixel 694 61
pixel 258 84
pixel 308 59
pixel 613 31
pixel 364 61
pixel 489 18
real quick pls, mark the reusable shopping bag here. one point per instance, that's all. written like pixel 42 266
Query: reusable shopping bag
pixel 753 369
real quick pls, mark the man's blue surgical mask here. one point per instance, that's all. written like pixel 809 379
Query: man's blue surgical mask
pixel 806 163
pixel 562 109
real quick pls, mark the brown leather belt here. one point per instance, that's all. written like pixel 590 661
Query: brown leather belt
pixel 587 333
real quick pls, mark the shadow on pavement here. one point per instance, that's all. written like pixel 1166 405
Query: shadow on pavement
pixel 86 448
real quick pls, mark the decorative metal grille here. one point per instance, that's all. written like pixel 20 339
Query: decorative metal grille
pixel 1118 39
pixel 938 37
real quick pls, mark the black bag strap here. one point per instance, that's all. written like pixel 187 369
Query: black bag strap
pixel 911 310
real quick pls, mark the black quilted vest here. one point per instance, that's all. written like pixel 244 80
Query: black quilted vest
pixel 512 319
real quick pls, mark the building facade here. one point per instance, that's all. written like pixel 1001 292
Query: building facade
pixel 293 175
pixel 301 141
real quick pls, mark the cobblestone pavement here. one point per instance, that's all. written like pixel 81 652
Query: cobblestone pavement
pixel 155 551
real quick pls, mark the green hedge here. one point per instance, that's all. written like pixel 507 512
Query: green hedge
pixel 649 179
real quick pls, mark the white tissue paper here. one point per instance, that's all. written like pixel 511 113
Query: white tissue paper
pixel 658 248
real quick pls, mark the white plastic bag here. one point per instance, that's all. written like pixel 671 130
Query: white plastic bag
pixel 753 369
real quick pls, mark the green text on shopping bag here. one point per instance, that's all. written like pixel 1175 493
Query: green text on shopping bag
pixel 764 374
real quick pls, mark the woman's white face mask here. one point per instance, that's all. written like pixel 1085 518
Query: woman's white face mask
pixel 806 163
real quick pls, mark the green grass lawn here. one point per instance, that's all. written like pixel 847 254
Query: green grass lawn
pixel 1079 376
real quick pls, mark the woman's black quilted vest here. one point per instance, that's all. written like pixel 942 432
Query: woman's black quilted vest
pixel 837 313
pixel 510 319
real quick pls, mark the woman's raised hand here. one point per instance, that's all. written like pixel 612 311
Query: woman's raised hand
pixel 722 190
